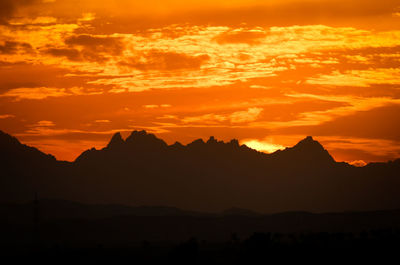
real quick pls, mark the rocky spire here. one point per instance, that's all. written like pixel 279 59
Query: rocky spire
pixel 116 141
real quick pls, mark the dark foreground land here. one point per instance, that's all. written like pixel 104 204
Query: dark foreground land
pixel 61 232
pixel 377 246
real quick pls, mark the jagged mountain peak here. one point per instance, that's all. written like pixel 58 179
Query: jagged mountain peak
pixel 143 140
pixel 135 138
pixel 5 138
pixel 136 142
pixel 11 149
pixel 310 150
pixel 197 142
pixel 116 141
pixel 177 145
pixel 308 139
pixel 140 135
pixel 308 143
pixel 137 133
pixel 212 140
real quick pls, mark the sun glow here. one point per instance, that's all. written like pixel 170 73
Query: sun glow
pixel 262 146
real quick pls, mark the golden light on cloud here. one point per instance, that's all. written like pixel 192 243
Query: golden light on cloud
pixel 233 69
pixel 359 78
pixel 35 93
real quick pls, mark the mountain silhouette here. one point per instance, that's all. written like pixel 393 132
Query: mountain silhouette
pixel 206 176
pixel 307 151
pixel 116 142
pixel 12 151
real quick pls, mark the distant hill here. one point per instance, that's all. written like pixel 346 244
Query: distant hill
pixel 208 176
pixel 80 224
pixel 53 210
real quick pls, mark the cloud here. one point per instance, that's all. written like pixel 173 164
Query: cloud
pixel 44 123
pixel 281 49
pixel 358 78
pixel 9 7
pixel 43 127
pixel 87 17
pixel 249 115
pixel 150 106
pixel 137 62
pixel 241 36
pixel 12 47
pixel 210 118
pixel 154 106
pixel 165 61
pixel 6 116
pixel 88 48
pixel 36 21
pixel 37 93
pixel 38 75
pixel 139 15
pixel 69 53
pixel 112 45
pixel 260 87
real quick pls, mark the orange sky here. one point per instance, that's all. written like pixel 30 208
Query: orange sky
pixel 268 73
